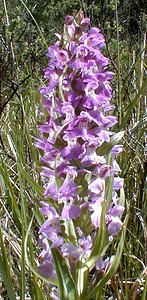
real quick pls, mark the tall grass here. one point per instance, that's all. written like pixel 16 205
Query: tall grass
pixel 20 185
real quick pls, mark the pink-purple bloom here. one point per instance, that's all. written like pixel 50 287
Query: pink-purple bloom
pixel 77 103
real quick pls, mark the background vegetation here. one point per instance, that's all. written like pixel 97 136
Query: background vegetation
pixel 26 29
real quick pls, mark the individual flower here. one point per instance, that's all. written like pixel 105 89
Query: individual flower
pixel 101 265
pixel 46 264
pixel 80 251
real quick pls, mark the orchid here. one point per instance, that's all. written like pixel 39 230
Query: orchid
pixel 80 174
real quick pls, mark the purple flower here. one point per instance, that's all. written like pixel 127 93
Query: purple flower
pixel 114 226
pixel 71 251
pixel 101 265
pixel 68 110
pixel 79 128
pixel 83 249
pixel 51 188
pixel 69 188
pixel 117 149
pixel 97 186
pixel 118 183
pixel 70 211
pixel 46 267
pixel 90 157
pixel 79 121
pixel 117 210
pixel 69 20
pixel 72 151
pixel 49 211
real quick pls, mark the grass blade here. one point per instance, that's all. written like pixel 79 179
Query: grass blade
pixel 5 269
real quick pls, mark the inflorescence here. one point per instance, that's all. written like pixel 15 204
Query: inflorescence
pixel 76 101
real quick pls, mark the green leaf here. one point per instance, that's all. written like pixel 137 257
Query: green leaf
pixel 108 184
pixel 114 266
pixel 67 286
pixel 69 232
pixel 122 197
pixel 82 282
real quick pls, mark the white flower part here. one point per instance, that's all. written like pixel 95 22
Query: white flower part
pixel 96 215
pixel 97 186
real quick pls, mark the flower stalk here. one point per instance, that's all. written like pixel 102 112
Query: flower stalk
pixel 80 173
